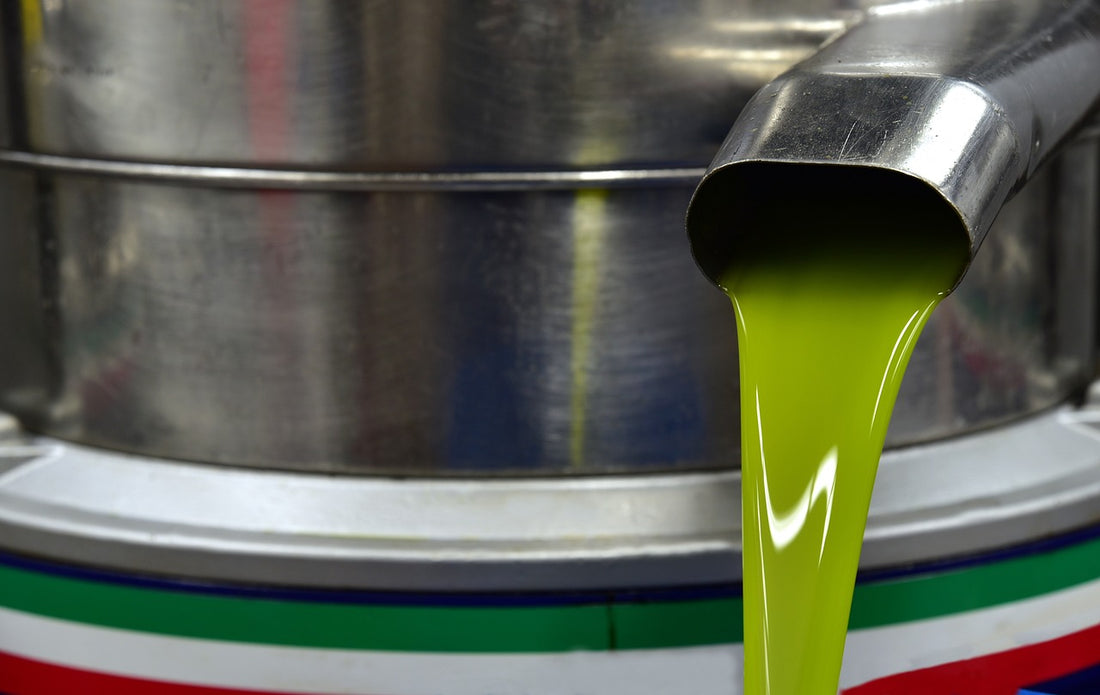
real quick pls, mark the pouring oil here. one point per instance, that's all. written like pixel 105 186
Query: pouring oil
pixel 829 304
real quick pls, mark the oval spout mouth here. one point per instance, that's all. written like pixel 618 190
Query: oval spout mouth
pixel 940 111
pixel 736 205
pixel 934 147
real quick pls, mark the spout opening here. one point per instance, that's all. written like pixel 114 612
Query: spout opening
pixel 741 207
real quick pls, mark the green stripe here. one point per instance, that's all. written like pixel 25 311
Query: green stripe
pixel 329 625
pixel 517 629
pixel 931 595
pixel 676 624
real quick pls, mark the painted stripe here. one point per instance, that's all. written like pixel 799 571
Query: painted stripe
pixel 662 625
pixel 712 670
pixel 1077 682
pixel 610 621
pixel 607 623
pixel 474 629
pixel 883 651
pixel 943 593
pixel 1004 673
pixel 28 677
pixel 878 652
pixel 314 624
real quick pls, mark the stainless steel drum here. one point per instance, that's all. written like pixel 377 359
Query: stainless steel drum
pixel 434 238
pixel 438 247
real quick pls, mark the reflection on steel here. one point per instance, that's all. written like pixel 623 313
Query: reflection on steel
pixel 439 331
pixel 391 85
pixel 390 332
pixel 399 238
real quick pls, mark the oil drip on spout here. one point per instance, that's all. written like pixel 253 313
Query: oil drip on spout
pixel 829 304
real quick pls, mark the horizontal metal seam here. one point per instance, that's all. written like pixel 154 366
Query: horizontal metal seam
pixel 247 177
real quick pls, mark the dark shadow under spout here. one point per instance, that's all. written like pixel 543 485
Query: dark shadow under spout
pixel 966 98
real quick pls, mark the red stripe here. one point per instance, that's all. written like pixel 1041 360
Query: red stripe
pixel 1003 673
pixel 19 676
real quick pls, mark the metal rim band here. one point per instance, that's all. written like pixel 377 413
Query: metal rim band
pixel 994 489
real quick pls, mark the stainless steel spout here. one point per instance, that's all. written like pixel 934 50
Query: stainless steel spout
pixel 962 99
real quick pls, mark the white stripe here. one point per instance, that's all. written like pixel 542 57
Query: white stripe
pixel 883 651
pixel 871 653
pixel 696 670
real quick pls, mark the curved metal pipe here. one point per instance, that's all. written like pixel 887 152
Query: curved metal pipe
pixel 961 99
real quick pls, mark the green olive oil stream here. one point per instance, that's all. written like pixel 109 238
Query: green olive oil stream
pixel 829 305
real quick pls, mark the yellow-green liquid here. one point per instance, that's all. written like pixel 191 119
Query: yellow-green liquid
pixel 828 310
